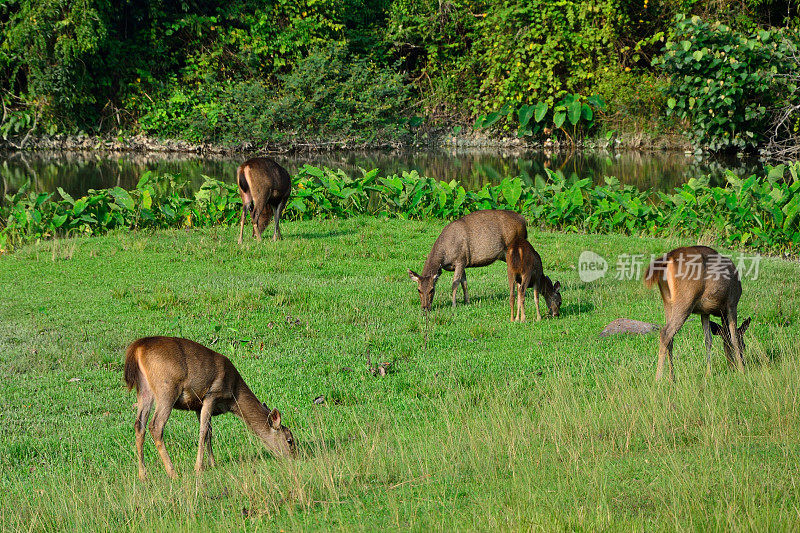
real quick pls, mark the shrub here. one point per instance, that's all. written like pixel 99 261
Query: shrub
pixel 761 213
pixel 335 93
pixel 723 82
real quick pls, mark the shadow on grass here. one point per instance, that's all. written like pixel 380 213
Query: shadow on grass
pixel 772 356
pixel 305 450
pixel 577 308
pixel 324 235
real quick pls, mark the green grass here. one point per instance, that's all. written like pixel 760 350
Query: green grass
pixel 491 425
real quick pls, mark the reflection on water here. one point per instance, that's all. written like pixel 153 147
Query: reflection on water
pixel 76 172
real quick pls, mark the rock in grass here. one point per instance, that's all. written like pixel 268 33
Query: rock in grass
pixel 626 325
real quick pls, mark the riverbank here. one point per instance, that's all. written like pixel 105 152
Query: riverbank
pixel 487 425
pixel 431 139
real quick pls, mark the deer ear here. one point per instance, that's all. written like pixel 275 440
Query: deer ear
pixel 413 275
pixel 716 329
pixel 744 326
pixel 557 286
pixel 275 419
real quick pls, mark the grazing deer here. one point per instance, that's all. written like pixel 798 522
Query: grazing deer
pixel 264 187
pixel 182 374
pixel 696 279
pixel 477 239
pixel 525 270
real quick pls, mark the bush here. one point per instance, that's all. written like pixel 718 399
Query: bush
pixel 334 93
pixel 723 82
pixel 761 213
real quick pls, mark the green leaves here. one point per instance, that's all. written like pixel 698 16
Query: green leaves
pixel 540 111
pixel 525 113
pixel 574 111
pixel 762 213
pixel 122 198
pixel 579 111
pixel 512 190
pixel 723 82
pixel 558 118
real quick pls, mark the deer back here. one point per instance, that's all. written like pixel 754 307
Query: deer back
pixel 479 238
pixel 521 257
pixel 698 277
pixel 192 371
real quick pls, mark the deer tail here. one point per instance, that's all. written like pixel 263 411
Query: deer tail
pixel 514 257
pixel 656 271
pixel 242 180
pixel 132 366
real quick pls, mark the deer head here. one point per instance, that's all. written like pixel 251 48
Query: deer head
pixel 277 437
pixel 426 286
pixel 724 332
pixel 552 296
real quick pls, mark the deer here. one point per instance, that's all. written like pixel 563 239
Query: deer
pixel 176 373
pixel 264 187
pixel 698 280
pixel 474 240
pixel 524 266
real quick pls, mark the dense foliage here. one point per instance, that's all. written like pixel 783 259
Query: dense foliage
pixel 757 212
pixel 284 70
pixel 724 82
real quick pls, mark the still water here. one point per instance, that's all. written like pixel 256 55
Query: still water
pixel 77 172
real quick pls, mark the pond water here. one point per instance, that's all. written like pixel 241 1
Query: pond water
pixel 76 172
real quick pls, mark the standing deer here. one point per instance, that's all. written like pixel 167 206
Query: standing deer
pixel 697 279
pixel 264 187
pixel 182 374
pixel 477 239
pixel 525 270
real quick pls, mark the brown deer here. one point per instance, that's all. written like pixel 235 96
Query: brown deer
pixel 178 373
pixel 477 239
pixel 525 270
pixel 697 279
pixel 264 187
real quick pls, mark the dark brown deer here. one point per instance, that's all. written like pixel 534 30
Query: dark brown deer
pixel 264 187
pixel 477 239
pixel 182 374
pixel 525 270
pixel 697 279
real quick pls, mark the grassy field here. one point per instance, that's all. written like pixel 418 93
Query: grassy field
pixel 487 425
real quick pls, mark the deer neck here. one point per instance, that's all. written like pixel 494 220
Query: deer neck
pixel 433 264
pixel 248 408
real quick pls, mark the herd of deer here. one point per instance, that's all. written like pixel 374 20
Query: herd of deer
pixel 175 373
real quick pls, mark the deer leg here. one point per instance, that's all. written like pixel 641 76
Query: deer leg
pixel 707 336
pixel 276 212
pixel 521 301
pixel 204 415
pixel 464 286
pixel 536 303
pixel 241 223
pixel 674 323
pixel 144 404
pixel 737 347
pixel 209 448
pixel 255 214
pixel 458 276
pixel 157 423
pixel 511 284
